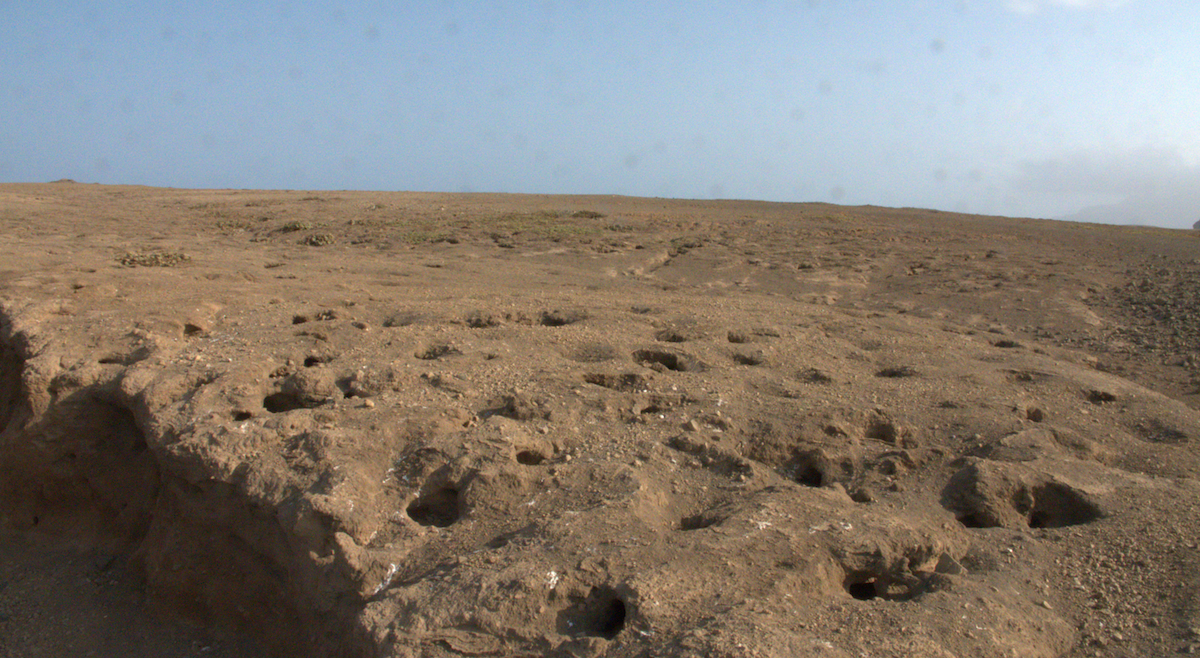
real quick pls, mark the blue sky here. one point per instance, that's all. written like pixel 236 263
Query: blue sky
pixel 1052 108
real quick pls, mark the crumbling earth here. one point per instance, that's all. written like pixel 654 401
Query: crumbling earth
pixel 400 424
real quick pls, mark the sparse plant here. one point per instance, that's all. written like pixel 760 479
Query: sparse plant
pixel 296 225
pixel 153 259
pixel 231 225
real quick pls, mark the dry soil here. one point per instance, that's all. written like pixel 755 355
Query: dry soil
pixel 241 423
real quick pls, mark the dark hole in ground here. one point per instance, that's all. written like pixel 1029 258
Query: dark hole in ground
pixel 897 372
pixel 806 469
pixel 1100 397
pixel 299 319
pixel 348 387
pixel 127 359
pixel 1007 344
pixel 190 329
pixel 438 509
pixel 278 403
pixel 1039 519
pixel 612 621
pixel 863 591
pixel 870 586
pixel 697 522
pixel 311 361
pixel 882 430
pixel 530 458
pixel 1049 505
pixel 973 520
pixel 242 415
pixel 667 360
pixel 810 476
pixel 602 614
pixel 1059 506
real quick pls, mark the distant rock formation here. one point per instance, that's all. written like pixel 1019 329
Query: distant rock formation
pixel 1196 225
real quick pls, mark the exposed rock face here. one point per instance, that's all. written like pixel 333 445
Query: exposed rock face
pixel 472 427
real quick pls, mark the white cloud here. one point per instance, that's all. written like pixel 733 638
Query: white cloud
pixel 1144 170
pixel 1036 6
pixel 1156 186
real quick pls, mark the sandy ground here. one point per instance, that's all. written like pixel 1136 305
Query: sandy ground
pixel 243 423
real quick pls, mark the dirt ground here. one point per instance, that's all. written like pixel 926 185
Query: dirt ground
pixel 241 423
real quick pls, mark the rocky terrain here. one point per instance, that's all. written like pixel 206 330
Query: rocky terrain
pixel 241 423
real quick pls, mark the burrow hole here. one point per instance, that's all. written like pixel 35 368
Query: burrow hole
pixel 882 430
pixel 973 520
pixel 664 359
pixel 698 522
pixel 811 469
pixel 1059 506
pixel 530 457
pixel 611 620
pixel 868 587
pixel 438 508
pixel 278 403
pixel 1050 505
pixel 602 614
pixel 809 475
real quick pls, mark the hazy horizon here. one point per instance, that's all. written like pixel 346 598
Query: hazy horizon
pixel 1072 109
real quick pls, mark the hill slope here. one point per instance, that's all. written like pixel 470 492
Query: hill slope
pixel 399 424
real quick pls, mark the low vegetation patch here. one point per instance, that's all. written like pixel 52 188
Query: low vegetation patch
pixel 153 259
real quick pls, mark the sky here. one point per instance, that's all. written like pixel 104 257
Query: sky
pixel 1079 109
